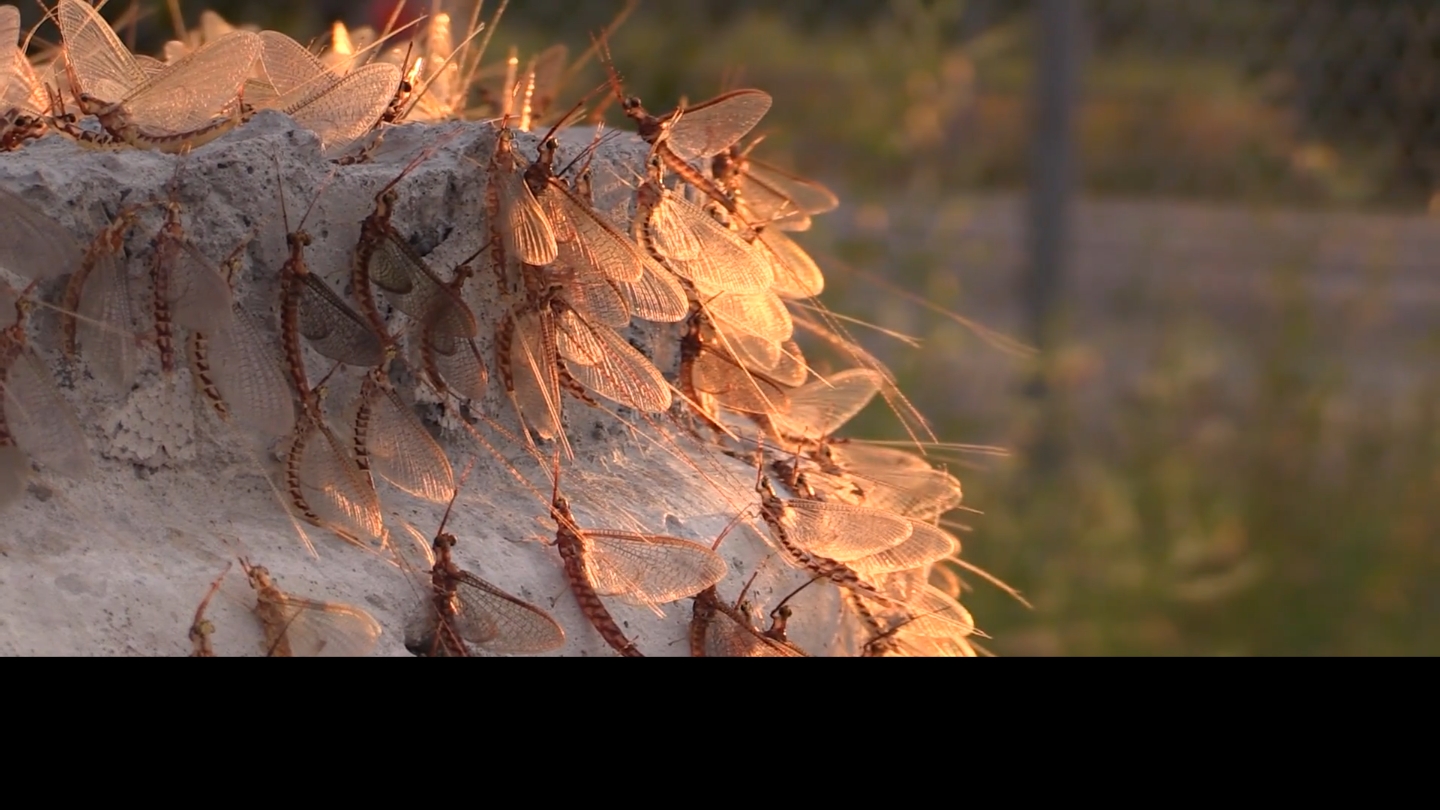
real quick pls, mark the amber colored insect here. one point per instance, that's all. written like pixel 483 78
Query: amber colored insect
pixel 166 107
pixel 296 627
pixel 35 421
pixel 339 109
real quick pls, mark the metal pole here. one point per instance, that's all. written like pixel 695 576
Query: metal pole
pixel 1052 162
pixel 1059 29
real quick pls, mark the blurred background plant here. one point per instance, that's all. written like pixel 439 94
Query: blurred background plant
pixel 1243 382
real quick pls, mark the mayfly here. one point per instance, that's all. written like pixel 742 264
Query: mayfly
pixel 767 193
pixel 692 244
pixel 35 421
pixel 812 533
pixel 185 288
pixel 169 108
pixel 936 626
pixel 518 225
pixel 722 630
pixel 821 407
pixel 642 569
pixel 201 628
pixel 32 245
pixel 711 375
pixel 679 569
pixel 327 486
pixel 236 366
pixel 698 132
pixel 892 479
pixel 304 627
pixel 309 307
pixel 384 258
pixel 24 106
pixel 97 310
pixel 469 610
pixel 391 442
pixel 336 108
pixel 453 365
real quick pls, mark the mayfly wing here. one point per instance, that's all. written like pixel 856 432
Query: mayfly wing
pixel 593 243
pixel 43 423
pixel 761 314
pixel 500 623
pixel 597 299
pixel 459 364
pixel 532 367
pixel 249 374
pixel 100 63
pixel 400 450
pixel 9 27
pixel 339 494
pixel 524 228
pixel 303 627
pixel 840 531
pixel 199 293
pixel 939 616
pixel 33 245
pixel 656 296
pixel 721 259
pixel 802 195
pixel 106 326
pixel 189 93
pixel 327 629
pixel 709 127
pixel 292 73
pixel 716 373
pixel 333 328
pixel 925 545
pixel 649 569
pixel 819 408
pixel 796 274
pixel 789 368
pixel 350 107
pixel 414 290
pixel 754 353
pixel 619 373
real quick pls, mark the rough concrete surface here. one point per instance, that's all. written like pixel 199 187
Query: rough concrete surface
pixel 117 564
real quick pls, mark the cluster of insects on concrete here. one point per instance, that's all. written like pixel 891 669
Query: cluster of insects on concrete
pixel 708 254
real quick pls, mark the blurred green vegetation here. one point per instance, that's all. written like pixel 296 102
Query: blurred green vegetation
pixel 1293 514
